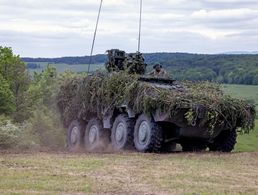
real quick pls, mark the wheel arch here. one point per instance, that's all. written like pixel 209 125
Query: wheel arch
pixel 109 118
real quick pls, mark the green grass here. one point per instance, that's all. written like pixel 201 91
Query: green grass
pixel 248 142
pixel 129 173
pixel 45 173
pixel 243 91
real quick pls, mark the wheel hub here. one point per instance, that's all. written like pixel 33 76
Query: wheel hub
pixel 120 132
pixel 143 132
pixel 93 134
pixel 75 135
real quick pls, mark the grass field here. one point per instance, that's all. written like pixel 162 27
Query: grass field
pixel 243 91
pixel 64 67
pixel 129 173
pixel 248 142
pixel 133 173
pixel 248 92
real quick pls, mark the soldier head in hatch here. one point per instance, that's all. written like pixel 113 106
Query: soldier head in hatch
pixel 158 72
pixel 157 67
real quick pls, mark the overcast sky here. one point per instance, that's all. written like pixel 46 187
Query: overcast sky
pixel 53 28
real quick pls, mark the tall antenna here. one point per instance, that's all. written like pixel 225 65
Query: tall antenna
pixel 140 27
pixel 94 37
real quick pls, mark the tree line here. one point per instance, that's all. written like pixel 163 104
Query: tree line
pixel 222 68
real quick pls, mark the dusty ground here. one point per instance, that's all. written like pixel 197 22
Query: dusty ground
pixel 128 173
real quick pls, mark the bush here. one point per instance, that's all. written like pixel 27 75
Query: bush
pixel 14 136
pixel 9 134
pixel 43 130
pixel 46 126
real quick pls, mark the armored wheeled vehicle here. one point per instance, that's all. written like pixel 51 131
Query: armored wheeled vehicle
pixel 126 109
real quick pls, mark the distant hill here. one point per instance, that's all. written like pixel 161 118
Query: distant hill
pixel 183 59
pixel 224 68
pixel 241 52
pixel 97 59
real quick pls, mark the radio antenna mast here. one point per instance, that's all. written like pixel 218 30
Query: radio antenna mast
pixel 94 37
pixel 140 27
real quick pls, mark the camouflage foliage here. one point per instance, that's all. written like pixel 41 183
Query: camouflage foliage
pixel 132 63
pixel 100 94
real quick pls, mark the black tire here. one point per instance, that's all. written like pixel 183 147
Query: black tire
pixel 147 135
pixel 122 133
pixel 74 135
pixel 225 142
pixel 94 137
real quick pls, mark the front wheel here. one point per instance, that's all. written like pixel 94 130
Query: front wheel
pixel 225 142
pixel 147 135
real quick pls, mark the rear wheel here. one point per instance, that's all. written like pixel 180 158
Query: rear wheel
pixel 122 133
pixel 74 135
pixel 147 135
pixel 225 142
pixel 94 138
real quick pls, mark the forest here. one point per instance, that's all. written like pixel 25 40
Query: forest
pixel 221 68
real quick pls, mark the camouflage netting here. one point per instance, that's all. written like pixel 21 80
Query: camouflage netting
pixel 132 63
pixel 100 94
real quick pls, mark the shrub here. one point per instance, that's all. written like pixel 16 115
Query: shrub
pixel 46 126
pixel 16 135
pixel 9 134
